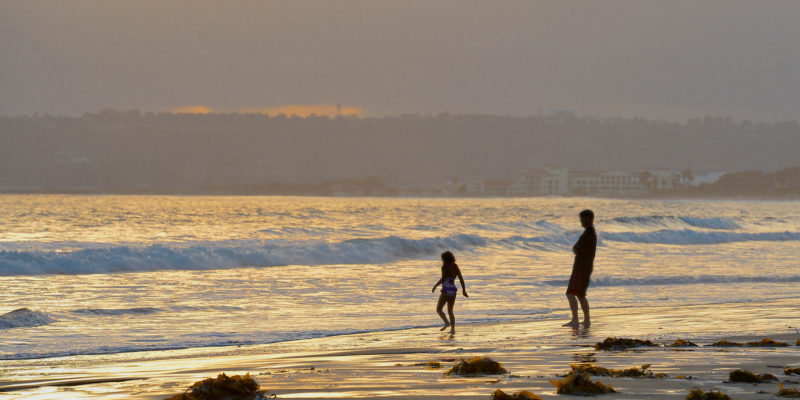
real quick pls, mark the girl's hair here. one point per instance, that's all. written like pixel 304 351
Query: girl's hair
pixel 448 257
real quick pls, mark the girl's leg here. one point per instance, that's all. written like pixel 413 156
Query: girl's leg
pixel 451 301
pixel 439 306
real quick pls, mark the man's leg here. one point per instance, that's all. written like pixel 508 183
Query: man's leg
pixel 573 305
pixel 585 307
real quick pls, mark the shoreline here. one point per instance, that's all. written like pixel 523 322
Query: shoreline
pixel 389 363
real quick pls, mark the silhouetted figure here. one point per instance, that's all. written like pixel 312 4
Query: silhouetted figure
pixel 584 251
pixel 450 271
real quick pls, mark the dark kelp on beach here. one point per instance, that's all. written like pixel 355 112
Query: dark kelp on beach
pixel 713 394
pixel 224 387
pixel 580 384
pixel 632 372
pixel 739 375
pixel 791 371
pixel 521 395
pixel 725 343
pixel 623 344
pixel 682 343
pixel 477 366
pixel 766 342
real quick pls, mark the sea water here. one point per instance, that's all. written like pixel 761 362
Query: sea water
pixel 83 275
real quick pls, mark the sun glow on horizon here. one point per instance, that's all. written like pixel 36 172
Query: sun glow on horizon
pixel 289 110
pixel 197 109
pixel 303 110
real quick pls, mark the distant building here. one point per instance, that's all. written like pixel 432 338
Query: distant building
pixel 489 188
pixel 605 183
pixel 548 182
pixel 664 179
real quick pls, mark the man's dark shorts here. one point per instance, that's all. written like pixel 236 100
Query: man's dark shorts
pixel 578 283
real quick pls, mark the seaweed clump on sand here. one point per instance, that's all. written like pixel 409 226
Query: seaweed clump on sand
pixel 798 342
pixel 477 366
pixel 522 395
pixel 749 377
pixel 622 344
pixel 682 343
pixel 793 392
pixel 224 387
pixel 767 342
pixel 712 394
pixel 725 343
pixel 580 384
pixel 791 371
pixel 632 372
pixel 431 365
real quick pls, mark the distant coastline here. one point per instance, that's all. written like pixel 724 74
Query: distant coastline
pixel 444 155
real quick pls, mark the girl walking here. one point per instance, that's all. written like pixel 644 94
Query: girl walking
pixel 450 271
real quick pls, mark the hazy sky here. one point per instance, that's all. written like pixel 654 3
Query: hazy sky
pixel 657 59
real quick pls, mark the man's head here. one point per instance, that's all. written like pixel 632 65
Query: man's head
pixel 587 218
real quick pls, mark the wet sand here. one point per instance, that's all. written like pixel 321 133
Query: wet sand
pixel 389 364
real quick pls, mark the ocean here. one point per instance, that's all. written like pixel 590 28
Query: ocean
pixel 94 275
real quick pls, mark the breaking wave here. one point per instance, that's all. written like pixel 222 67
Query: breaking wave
pixel 230 254
pixel 688 237
pixel 94 258
pixel 666 221
pixel 116 311
pixel 23 318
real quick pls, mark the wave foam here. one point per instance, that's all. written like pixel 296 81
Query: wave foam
pixel 23 318
pixel 116 311
pixel 231 254
pixel 666 221
pixel 688 236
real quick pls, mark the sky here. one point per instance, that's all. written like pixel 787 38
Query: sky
pixel 668 60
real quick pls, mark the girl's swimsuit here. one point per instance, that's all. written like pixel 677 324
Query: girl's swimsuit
pixel 449 287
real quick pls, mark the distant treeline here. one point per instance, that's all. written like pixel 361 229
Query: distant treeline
pixel 134 152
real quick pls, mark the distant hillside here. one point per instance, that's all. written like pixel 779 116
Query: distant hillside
pixel 134 152
pixel 783 184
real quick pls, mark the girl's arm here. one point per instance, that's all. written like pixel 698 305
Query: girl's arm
pixel 461 279
pixel 437 284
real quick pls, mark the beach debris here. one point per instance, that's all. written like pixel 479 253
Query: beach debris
pixel 522 395
pixel 682 343
pixel 684 377
pixel 739 375
pixel 713 394
pixel 432 365
pixel 477 366
pixel 797 343
pixel 791 371
pixel 632 372
pixel 224 387
pixel 793 392
pixel 725 343
pixel 767 342
pixel 622 344
pixel 580 384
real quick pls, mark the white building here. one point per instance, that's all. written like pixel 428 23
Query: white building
pixel 547 182
pixel 605 183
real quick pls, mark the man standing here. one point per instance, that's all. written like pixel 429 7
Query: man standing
pixel 584 251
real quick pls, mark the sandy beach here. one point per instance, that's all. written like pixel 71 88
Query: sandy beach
pixel 390 364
